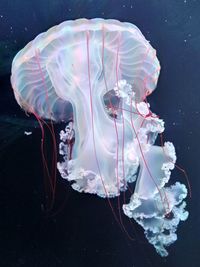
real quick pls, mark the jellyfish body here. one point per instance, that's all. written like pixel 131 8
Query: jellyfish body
pixel 93 64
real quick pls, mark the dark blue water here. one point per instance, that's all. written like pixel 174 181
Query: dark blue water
pixel 84 233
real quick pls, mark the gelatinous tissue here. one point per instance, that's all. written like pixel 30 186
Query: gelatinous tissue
pixel 105 69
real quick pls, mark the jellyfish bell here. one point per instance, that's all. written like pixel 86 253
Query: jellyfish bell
pixel 103 70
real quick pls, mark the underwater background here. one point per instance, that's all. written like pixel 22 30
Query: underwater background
pixel 84 232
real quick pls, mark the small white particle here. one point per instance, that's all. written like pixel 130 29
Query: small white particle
pixel 131 6
pixel 165 20
pixel 27 133
pixel 124 5
pixel 185 40
pixel 1 16
pixel 25 29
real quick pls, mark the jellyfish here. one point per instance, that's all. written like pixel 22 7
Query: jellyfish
pixel 104 70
